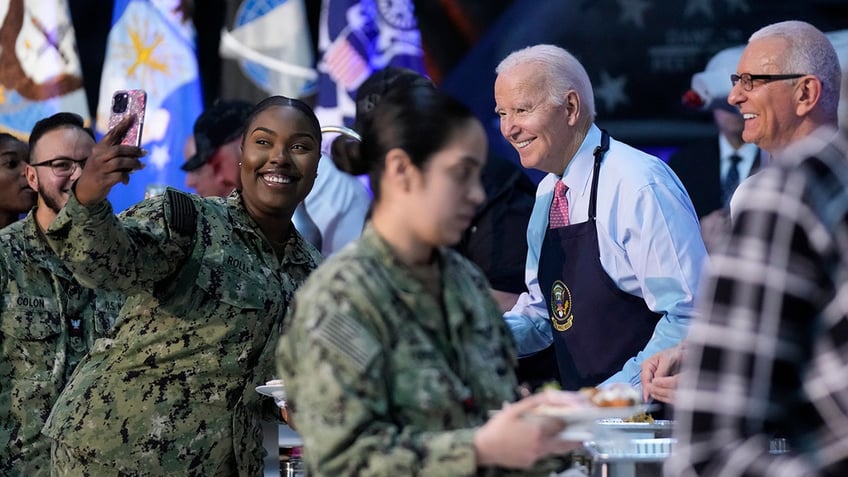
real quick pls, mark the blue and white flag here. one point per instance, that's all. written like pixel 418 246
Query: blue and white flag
pixel 357 37
pixel 272 43
pixel 151 47
pixel 40 72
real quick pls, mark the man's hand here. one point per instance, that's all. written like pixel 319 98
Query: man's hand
pixel 715 228
pixel 660 374
pixel 110 162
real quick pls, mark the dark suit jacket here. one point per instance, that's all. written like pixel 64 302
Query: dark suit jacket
pixel 496 241
pixel 698 165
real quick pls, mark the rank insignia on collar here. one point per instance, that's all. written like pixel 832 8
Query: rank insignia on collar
pixel 561 317
pixel 74 326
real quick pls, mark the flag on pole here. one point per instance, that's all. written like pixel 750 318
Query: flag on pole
pixel 40 72
pixel 151 47
pixel 356 38
pixel 272 43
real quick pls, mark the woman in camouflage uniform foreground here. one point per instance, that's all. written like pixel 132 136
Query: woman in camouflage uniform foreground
pixel 395 350
pixel 209 281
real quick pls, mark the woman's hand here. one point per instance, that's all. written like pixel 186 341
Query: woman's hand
pixel 287 415
pixel 110 162
pixel 513 439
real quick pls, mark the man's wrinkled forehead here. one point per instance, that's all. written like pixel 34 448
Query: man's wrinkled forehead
pixel 765 55
pixel 519 92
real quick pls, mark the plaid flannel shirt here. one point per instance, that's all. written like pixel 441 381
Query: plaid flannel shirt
pixel 768 350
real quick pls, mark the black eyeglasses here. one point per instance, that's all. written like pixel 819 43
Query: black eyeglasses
pixel 748 79
pixel 62 166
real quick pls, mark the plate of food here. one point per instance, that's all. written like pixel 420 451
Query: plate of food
pixel 274 389
pixel 614 401
pixel 579 415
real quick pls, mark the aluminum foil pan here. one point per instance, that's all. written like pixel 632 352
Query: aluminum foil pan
pixel 630 450
pixel 658 428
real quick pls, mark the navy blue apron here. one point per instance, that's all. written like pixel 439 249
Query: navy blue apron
pixel 596 326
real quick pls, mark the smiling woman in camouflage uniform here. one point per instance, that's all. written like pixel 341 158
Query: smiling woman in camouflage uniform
pixel 209 281
pixel 395 350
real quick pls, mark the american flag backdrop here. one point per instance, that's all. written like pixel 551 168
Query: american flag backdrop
pixel 357 37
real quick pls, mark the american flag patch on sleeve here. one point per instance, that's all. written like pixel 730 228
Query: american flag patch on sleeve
pixel 348 337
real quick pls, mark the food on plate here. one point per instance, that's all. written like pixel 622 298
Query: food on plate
pixel 641 417
pixel 613 395
pixel 610 397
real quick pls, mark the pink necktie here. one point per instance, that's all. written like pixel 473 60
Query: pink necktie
pixel 559 207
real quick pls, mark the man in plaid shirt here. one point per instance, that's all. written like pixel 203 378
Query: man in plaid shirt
pixel 779 109
pixel 767 356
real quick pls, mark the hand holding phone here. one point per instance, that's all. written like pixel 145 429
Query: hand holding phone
pixel 132 102
pixel 118 152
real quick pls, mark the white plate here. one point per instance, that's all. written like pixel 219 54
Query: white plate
pixel 276 391
pixel 580 420
pixel 584 415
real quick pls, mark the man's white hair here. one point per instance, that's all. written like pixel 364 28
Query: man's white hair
pixel 561 72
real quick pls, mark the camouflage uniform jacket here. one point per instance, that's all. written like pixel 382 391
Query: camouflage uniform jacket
pixel 173 391
pixel 48 322
pixel 383 379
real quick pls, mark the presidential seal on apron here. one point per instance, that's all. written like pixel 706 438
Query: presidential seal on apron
pixel 561 316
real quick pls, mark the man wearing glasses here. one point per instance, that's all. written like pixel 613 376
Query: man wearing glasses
pixel 766 354
pixel 48 321
pixel 786 86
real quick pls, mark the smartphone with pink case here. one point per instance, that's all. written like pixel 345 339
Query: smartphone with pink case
pixel 130 102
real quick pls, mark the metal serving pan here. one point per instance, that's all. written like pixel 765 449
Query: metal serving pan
pixel 658 428
pixel 632 450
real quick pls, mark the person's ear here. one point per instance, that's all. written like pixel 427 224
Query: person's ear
pixel 807 93
pixel 31 177
pixel 214 162
pixel 571 106
pixel 399 169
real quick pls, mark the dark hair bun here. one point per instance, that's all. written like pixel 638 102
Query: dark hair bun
pixel 347 156
pixel 372 90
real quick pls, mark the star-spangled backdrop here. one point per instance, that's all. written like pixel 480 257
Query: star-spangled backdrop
pixel 640 55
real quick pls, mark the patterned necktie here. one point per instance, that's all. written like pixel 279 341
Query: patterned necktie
pixel 559 207
pixel 731 180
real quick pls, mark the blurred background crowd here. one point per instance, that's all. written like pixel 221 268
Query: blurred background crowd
pixel 667 77
pixel 640 54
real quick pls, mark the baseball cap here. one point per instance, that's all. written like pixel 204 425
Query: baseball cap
pixel 216 126
pixel 710 88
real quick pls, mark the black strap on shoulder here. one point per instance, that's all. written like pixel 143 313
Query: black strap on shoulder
pixel 183 212
pixel 599 156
